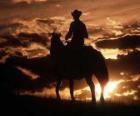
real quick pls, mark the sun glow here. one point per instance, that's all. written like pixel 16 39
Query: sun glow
pixel 110 53
pixel 108 91
pixel 110 87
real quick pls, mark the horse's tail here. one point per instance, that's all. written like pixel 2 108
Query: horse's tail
pixel 102 71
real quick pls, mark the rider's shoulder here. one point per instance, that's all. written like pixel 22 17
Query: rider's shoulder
pixel 82 23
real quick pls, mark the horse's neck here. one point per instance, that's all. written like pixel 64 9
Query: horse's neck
pixel 56 45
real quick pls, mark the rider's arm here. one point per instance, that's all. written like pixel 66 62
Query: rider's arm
pixel 69 34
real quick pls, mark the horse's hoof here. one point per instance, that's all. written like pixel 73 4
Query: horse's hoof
pixel 102 100
pixel 94 101
pixel 73 99
pixel 58 98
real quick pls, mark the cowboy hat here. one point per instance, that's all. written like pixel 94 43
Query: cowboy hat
pixel 76 13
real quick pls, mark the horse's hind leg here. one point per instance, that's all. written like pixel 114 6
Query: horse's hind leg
pixel 102 93
pixel 92 88
pixel 72 89
pixel 57 89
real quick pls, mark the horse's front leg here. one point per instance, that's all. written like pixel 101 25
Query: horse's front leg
pixel 72 89
pixel 92 88
pixel 57 88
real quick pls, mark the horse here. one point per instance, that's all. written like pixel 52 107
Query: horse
pixel 78 63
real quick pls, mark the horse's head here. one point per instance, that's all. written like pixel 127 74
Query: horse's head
pixel 56 43
pixel 55 38
pixel 56 35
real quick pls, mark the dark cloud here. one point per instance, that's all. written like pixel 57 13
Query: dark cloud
pixel 11 25
pixel 33 37
pixel 11 42
pixel 125 63
pixel 23 40
pixel 129 41
pixel 8 28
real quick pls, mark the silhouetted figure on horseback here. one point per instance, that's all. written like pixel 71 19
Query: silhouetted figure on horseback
pixel 77 31
pixel 76 61
pixel 75 40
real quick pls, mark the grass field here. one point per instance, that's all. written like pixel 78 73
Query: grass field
pixel 30 106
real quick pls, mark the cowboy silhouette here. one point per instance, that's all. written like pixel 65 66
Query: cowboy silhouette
pixel 77 31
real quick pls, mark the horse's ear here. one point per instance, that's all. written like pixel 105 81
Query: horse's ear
pixel 55 34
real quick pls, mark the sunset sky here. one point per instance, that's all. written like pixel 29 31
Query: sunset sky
pixel 113 26
pixel 94 10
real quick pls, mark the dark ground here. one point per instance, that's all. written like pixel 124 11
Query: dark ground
pixel 13 105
